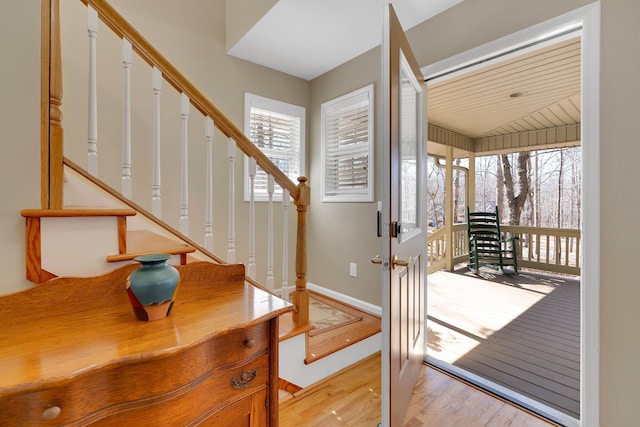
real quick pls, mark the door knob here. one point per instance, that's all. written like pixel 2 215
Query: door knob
pixel 395 262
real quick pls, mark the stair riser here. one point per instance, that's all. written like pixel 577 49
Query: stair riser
pixel 77 246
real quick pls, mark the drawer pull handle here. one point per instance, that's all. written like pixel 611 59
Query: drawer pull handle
pixel 244 379
pixel 51 413
pixel 249 343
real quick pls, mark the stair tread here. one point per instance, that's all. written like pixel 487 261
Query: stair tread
pixel 289 329
pixel 76 212
pixel 144 242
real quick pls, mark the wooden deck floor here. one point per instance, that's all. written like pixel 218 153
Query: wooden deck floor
pixel 521 331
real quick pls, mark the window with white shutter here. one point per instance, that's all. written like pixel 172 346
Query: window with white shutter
pixel 347 147
pixel 277 128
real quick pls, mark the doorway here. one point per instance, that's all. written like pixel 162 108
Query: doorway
pixel 584 21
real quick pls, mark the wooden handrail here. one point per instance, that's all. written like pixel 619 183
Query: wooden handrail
pixel 153 57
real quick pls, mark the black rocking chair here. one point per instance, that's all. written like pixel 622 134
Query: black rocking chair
pixel 487 246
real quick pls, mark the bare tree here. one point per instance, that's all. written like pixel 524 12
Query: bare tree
pixel 435 192
pixel 486 184
pixel 516 202
pixel 456 189
pixel 560 176
pixel 530 200
pixel 500 175
pixel 536 202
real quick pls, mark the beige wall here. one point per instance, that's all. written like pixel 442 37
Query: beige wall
pixel 19 103
pixel 619 285
pixel 341 233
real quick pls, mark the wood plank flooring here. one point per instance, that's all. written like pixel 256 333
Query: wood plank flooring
pixel 521 332
pixel 352 398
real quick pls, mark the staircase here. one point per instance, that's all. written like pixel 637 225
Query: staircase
pixel 87 227
pixel 67 189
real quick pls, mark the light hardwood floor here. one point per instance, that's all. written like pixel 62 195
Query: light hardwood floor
pixel 352 398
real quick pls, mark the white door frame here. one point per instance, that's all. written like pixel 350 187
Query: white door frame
pixel 589 18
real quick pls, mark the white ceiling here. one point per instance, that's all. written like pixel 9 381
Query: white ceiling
pixel 307 38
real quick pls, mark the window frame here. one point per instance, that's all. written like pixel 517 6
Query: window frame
pixel 278 107
pixel 353 97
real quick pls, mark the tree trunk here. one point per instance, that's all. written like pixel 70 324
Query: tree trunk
pixel 500 184
pixel 456 195
pixel 537 191
pixel 559 223
pixel 530 208
pixel 516 202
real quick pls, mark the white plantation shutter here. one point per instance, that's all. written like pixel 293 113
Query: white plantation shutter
pixel 347 151
pixel 277 129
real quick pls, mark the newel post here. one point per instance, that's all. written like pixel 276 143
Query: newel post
pixel 51 112
pixel 301 295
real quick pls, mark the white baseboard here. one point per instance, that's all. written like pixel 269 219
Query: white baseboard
pixel 293 369
pixel 362 305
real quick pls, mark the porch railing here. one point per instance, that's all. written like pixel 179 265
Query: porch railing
pixel 164 72
pixel 548 249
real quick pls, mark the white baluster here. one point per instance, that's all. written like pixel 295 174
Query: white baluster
pixel 92 125
pixel 285 245
pixel 126 121
pixel 231 250
pixel 270 185
pixel 184 175
pixel 208 215
pixel 251 267
pixel 156 200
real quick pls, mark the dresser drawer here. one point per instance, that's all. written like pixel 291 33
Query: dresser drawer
pixel 203 372
pixel 212 397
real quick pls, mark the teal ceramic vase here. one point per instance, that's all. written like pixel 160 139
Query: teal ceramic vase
pixel 152 287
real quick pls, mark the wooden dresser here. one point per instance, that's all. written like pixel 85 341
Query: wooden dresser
pixel 73 353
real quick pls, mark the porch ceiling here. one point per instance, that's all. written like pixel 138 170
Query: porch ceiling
pixel 535 90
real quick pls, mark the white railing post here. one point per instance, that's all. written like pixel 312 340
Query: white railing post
pixel 285 245
pixel 231 250
pixel 270 185
pixel 126 187
pixel 184 170
pixel 208 215
pixel 156 200
pixel 251 267
pixel 92 109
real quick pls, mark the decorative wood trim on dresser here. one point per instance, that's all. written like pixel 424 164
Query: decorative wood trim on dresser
pixel 73 353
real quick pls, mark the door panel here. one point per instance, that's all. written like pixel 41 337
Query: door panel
pixel 404 221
